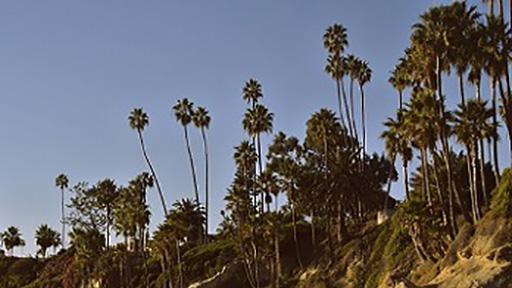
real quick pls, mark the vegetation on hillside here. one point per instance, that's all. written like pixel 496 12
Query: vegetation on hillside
pixel 334 187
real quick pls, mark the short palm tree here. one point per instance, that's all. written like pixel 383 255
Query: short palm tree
pixel 62 182
pixel 184 111
pixel 46 237
pixel 202 120
pixel 12 239
pixel 138 120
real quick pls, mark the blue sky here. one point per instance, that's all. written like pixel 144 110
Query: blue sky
pixel 71 71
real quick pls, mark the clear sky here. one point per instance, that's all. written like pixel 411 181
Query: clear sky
pixel 71 71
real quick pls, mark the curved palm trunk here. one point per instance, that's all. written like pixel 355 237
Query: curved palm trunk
pixel 347 111
pixel 406 179
pixel 153 173
pixel 191 159
pixel 63 219
pixel 207 197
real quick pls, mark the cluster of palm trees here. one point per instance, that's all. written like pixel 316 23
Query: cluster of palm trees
pixel 45 238
pixel 339 66
pixel 448 38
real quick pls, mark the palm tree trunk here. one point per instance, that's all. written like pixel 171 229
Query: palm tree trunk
pixel 391 168
pixel 347 111
pixel 495 140
pixel 444 142
pixel 338 90
pixel 482 172
pixel 470 182
pixel 426 180
pixel 207 169
pixel 461 90
pixel 482 156
pixel 192 166
pixel 153 173
pixel 400 92
pixel 491 7
pixel 406 179
pixel 440 189
pixel 352 116
pixel 260 166
pixel 108 226
pixel 473 164
pixel 363 124
pixel 63 219
pixel 295 238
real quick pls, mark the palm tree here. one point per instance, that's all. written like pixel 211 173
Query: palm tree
pixel 138 121
pixel 398 143
pixel 183 111
pixel 256 121
pixel 12 239
pixel 353 65
pixel 471 125
pixel 252 92
pixel 46 237
pixel 202 121
pixel 364 76
pixel 107 193
pixel 62 182
pixel 399 80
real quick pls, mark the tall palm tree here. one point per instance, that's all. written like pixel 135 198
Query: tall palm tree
pixel 12 239
pixel 364 76
pixel 46 237
pixel 353 65
pixel 471 125
pixel 252 92
pixel 138 121
pixel 202 121
pixel 62 182
pixel 183 111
